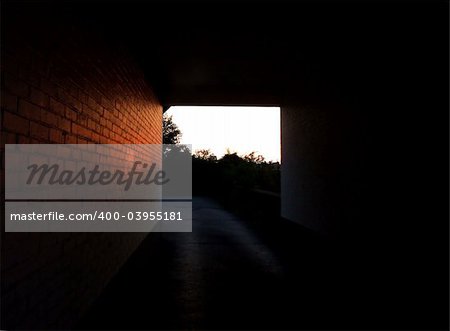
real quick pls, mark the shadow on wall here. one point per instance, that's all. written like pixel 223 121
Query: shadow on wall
pixel 63 84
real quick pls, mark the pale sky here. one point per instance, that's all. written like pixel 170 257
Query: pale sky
pixel 241 129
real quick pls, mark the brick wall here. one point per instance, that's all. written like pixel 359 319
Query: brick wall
pixel 66 85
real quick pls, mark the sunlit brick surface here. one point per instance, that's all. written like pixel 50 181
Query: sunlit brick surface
pixel 66 86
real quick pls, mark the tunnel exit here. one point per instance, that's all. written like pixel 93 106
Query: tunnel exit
pixel 230 129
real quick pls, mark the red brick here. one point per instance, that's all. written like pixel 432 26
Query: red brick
pixel 49 118
pixel 38 131
pixel 92 125
pixel 96 137
pixel 81 131
pixel 104 140
pixel 36 100
pixel 82 140
pixel 82 120
pixel 70 139
pixel 8 138
pixel 83 97
pixel 9 102
pixel 56 136
pixel 71 114
pixel 48 87
pixel 23 140
pixel 69 100
pixel 29 77
pixel 91 103
pixel 14 123
pixel 30 111
pixel 56 107
pixel 16 86
pixel 39 98
pixel 95 116
pixel 64 124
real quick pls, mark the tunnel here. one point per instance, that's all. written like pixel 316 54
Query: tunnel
pixel 363 93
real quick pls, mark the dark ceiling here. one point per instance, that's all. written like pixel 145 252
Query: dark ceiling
pixel 257 52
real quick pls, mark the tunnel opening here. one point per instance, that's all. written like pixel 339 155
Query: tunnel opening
pixel 236 153
pixel 223 129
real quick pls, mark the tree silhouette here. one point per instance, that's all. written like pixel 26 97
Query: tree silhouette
pixel 171 132
pixel 253 158
pixel 205 154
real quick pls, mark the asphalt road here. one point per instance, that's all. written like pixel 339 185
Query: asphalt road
pixel 223 275
pixel 235 273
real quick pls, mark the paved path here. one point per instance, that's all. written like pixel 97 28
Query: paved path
pixel 222 275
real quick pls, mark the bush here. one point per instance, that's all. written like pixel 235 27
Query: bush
pixel 231 172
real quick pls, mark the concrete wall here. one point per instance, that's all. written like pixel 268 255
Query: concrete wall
pixel 61 84
pixel 321 150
